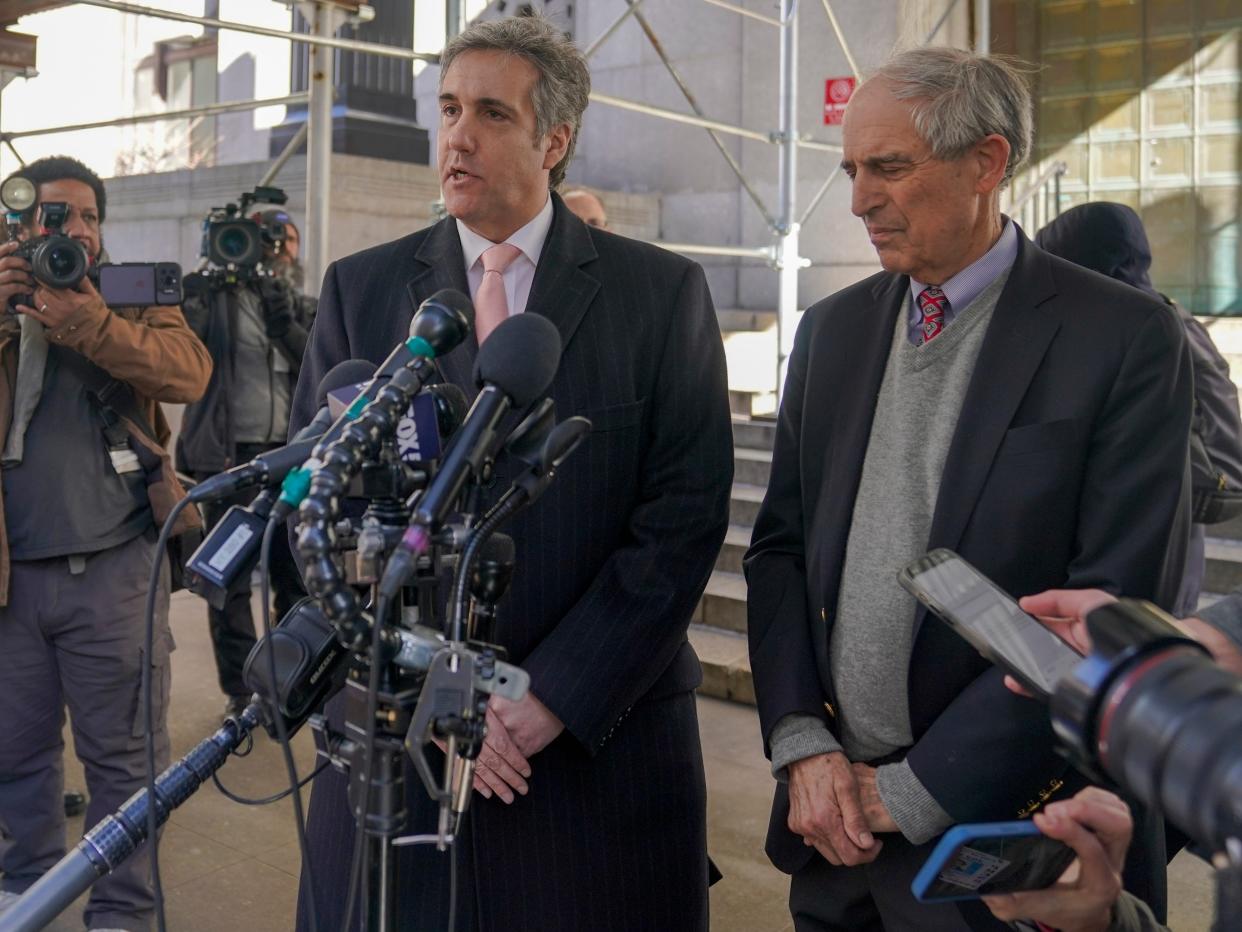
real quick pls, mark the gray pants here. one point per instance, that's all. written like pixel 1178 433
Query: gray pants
pixel 77 639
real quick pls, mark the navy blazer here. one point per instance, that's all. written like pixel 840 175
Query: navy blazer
pixel 1067 469
pixel 611 563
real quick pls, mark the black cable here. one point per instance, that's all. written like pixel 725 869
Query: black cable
pixel 148 710
pixel 359 863
pixel 266 800
pixel 265 560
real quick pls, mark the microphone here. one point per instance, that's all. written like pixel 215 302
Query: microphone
pixel 349 372
pixel 435 413
pixel 489 579
pixel 230 550
pixel 439 325
pixel 451 407
pixel 515 365
pixel 271 467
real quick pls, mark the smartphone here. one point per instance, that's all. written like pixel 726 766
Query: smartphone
pixel 139 284
pixel 983 614
pixel 990 857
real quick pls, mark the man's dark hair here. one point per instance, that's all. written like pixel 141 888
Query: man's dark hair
pixel 62 168
pixel 563 88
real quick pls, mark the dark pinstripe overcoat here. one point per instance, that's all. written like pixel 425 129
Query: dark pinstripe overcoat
pixel 611 563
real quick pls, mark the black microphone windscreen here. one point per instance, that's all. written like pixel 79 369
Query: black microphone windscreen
pixel 451 406
pixel 563 440
pixel 520 357
pixel 498 548
pixel 452 298
pixel 444 320
pixel 349 372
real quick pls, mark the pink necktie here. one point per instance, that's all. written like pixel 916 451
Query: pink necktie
pixel 490 304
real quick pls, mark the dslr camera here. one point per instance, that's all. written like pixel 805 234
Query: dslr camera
pixel 233 244
pixel 59 261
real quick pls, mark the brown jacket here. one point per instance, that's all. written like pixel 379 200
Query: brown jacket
pixel 152 349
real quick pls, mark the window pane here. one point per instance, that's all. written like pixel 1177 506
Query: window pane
pixel 1221 206
pixel 1066 72
pixel 1220 12
pixel 1169 109
pixel 1063 118
pixel 1115 114
pixel 1169 217
pixel 1221 55
pixel 1221 156
pixel 1169 159
pixel 1222 105
pixel 1166 16
pixel 1119 66
pixel 1075 157
pixel 1128 197
pixel 1118 19
pixel 1115 161
pixel 1170 59
pixel 1066 24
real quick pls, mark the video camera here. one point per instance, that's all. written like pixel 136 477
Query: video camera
pixel 59 261
pixel 233 244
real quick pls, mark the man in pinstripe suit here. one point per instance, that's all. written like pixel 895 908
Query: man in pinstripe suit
pixel 590 809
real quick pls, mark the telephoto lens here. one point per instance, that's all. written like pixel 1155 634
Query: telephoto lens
pixel 1150 709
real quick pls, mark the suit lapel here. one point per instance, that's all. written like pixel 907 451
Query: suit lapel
pixel 1013 348
pixel 562 291
pixel 443 266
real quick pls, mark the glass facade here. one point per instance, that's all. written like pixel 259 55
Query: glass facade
pixel 1143 101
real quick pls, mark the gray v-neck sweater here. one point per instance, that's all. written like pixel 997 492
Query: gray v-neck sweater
pixel 872 635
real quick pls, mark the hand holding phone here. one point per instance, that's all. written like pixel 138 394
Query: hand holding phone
pixel 987 617
pixel 1096 824
pixel 990 857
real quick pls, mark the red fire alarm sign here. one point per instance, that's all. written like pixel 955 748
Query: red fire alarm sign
pixel 837 93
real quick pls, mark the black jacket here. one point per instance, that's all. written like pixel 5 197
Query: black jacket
pixel 1066 469
pixel 206 443
pixel 610 565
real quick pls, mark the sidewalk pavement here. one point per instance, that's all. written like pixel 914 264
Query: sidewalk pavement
pixel 232 868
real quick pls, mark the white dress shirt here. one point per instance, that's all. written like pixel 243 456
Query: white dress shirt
pixel 521 272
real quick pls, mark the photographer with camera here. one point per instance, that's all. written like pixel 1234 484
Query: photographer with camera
pixel 248 311
pixel 1096 823
pixel 85 484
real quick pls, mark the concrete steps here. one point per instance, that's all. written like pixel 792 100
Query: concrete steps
pixel 718 633
pixel 726 664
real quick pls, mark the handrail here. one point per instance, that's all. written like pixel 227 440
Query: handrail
pixel 1055 170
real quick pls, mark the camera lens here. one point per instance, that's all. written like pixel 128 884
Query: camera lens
pixel 59 262
pixel 62 262
pixel 233 243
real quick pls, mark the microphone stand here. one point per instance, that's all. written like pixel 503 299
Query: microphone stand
pixel 118 836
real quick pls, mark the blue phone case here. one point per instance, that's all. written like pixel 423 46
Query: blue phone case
pixel 976 868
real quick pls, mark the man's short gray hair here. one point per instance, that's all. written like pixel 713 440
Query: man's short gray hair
pixel 960 98
pixel 564 83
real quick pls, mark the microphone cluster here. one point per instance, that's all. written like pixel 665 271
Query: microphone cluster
pixel 378 431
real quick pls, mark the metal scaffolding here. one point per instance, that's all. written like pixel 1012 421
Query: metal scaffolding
pixel 327 16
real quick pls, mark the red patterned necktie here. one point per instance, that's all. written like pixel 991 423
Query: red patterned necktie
pixel 933 304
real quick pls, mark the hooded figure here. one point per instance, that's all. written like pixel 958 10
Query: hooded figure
pixel 1110 239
